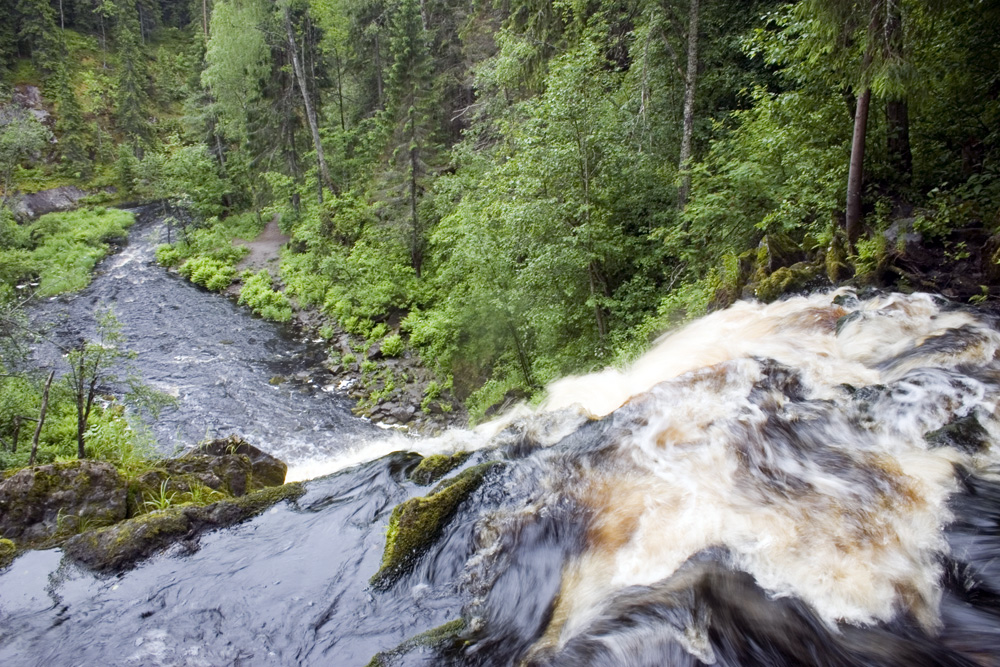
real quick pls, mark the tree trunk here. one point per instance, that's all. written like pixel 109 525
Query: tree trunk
pixel 378 71
pixel 204 18
pixel 324 172
pixel 416 251
pixel 17 434
pixel 897 112
pixel 41 418
pixel 855 176
pixel 690 82
pixel 897 116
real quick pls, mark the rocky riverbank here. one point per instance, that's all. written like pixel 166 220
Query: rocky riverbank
pixel 107 520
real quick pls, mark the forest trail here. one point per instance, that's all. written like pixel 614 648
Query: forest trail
pixel 265 249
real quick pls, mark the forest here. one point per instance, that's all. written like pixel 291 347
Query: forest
pixel 512 190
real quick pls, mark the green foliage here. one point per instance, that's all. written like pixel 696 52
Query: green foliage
pixel 258 293
pixel 210 273
pixel 22 139
pixel 393 346
pixel 68 245
pixel 161 500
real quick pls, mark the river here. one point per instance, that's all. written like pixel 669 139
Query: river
pixel 230 372
pixel 811 482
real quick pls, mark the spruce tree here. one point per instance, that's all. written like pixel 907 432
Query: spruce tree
pixel 70 126
pixel 132 97
pixel 410 125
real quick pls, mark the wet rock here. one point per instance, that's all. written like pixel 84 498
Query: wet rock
pixel 440 639
pixel 42 502
pixel 266 469
pixel 402 413
pixel 375 351
pixel 965 434
pixel 31 206
pixel 418 522
pixel 120 546
pixel 434 467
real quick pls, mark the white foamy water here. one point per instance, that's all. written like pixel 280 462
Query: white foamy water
pixel 790 437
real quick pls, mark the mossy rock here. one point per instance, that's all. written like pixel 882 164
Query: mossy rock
pixel 787 279
pixel 43 503
pixel 965 434
pixel 120 546
pixel 266 470
pixel 8 551
pixel 448 635
pixel 416 523
pixel 434 467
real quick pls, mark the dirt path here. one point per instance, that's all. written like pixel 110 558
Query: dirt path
pixel 264 249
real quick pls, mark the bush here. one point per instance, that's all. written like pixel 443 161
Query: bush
pixel 67 246
pixel 210 273
pixel 258 293
pixel 393 346
pixel 168 255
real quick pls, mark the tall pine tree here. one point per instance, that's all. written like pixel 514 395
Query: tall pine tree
pixel 411 125
pixel 132 96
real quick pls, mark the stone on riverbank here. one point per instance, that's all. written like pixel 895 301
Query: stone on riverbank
pixel 44 502
pixel 120 546
pixel 7 552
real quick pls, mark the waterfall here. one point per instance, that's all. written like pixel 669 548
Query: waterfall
pixel 814 481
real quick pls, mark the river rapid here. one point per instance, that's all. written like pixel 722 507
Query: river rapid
pixel 228 371
pixel 810 482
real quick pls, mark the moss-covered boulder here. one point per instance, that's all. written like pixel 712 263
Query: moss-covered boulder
pixel 266 470
pixel 434 467
pixel 416 523
pixel 43 502
pixel 120 546
pixel 228 467
pixel 8 550
pixel 439 639
pixel 789 279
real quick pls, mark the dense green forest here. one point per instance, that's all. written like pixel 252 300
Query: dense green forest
pixel 517 189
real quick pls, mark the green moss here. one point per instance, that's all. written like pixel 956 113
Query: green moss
pixel 436 638
pixel 436 466
pixel 416 523
pixel 7 552
pixel 835 259
pixel 120 546
pixel 786 279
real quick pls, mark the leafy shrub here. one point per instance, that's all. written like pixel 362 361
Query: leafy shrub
pixel 258 293
pixel 393 346
pixel 208 272
pixel 68 245
pixel 168 255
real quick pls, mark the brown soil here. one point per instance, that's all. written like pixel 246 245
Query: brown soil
pixel 264 250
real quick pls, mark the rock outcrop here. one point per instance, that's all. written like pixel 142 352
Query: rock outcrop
pixel 107 523
pixel 44 502
pixel 120 546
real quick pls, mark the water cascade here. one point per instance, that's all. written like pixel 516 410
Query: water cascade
pixel 813 481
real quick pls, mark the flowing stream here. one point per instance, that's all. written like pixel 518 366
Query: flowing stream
pixel 229 372
pixel 811 482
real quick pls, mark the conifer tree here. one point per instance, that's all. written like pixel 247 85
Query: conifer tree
pixel 70 126
pixel 132 97
pixel 37 29
pixel 410 124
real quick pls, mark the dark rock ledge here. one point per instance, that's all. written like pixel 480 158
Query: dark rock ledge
pixel 107 523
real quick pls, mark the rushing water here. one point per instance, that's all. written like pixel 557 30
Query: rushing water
pixel 813 482
pixel 221 364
